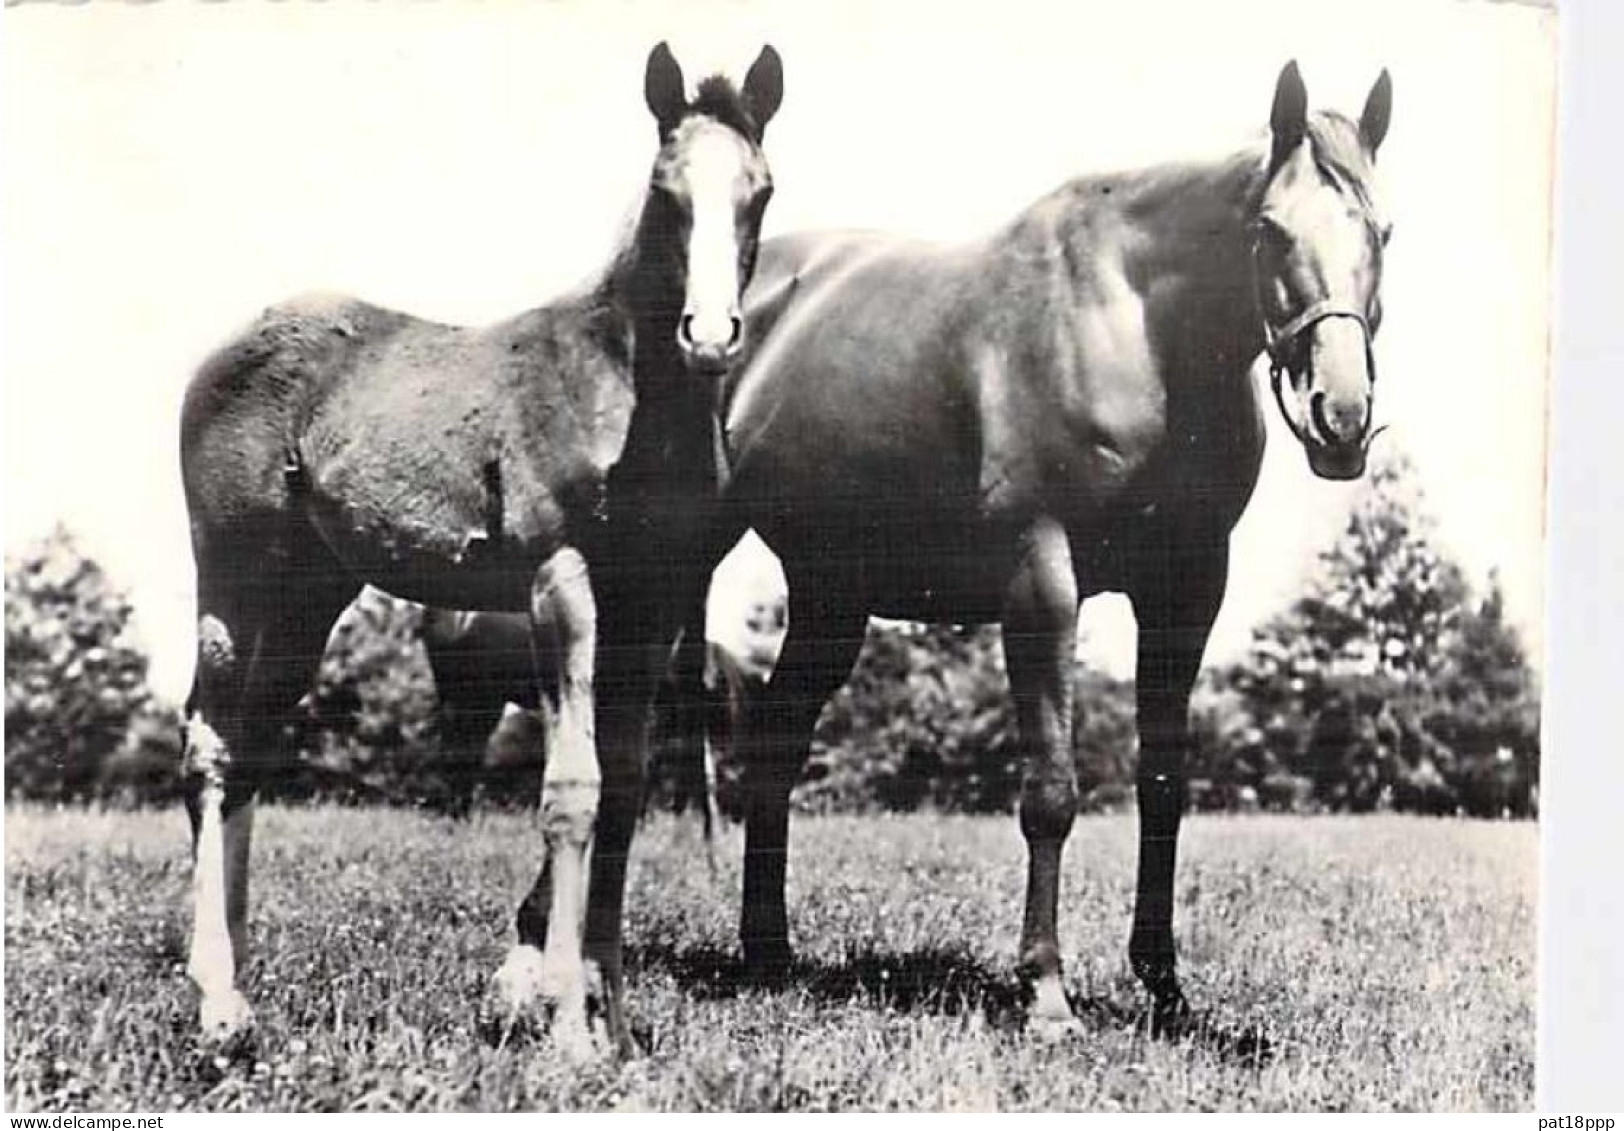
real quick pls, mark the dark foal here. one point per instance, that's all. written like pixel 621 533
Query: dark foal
pixel 556 464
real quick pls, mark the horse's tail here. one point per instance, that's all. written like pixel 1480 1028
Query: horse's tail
pixel 695 768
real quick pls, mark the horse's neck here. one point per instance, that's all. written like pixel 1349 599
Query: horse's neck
pixel 1183 230
pixel 670 443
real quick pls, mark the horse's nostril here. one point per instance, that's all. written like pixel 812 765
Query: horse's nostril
pixel 1316 412
pixel 685 329
pixel 1337 427
pixel 738 333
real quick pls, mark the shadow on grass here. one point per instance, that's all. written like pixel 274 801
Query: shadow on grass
pixel 934 981
pixel 925 981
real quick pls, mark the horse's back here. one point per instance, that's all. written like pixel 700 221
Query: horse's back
pixel 408 444
pixel 245 403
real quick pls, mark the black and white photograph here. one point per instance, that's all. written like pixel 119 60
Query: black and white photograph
pixel 685 555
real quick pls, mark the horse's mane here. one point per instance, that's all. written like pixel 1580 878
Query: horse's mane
pixel 1334 144
pixel 717 97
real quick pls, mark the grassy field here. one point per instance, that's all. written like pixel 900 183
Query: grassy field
pixel 1389 961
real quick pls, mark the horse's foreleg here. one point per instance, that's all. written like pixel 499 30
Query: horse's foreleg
pixel 825 633
pixel 691 719
pixel 1040 626
pixel 564 619
pixel 626 682
pixel 1175 611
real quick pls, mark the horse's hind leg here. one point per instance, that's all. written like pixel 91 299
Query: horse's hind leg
pixel 255 659
pixel 564 618
pixel 219 802
pixel 825 633
pixel 1040 622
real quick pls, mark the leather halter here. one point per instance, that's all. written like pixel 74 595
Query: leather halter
pixel 1278 341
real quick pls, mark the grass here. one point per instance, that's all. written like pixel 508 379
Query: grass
pixel 1389 960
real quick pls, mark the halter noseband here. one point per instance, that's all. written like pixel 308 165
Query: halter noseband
pixel 1278 341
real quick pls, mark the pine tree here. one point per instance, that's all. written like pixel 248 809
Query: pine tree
pixel 1385 601
pixel 74 680
pixel 1385 679
pixel 1484 707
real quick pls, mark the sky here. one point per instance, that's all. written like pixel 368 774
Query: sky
pixel 170 170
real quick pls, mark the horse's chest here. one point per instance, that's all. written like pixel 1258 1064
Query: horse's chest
pixel 1100 445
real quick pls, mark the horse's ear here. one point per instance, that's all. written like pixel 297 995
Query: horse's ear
pixel 1289 119
pixel 764 86
pixel 1378 112
pixel 664 89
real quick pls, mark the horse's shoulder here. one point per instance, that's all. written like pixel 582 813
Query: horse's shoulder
pixel 580 334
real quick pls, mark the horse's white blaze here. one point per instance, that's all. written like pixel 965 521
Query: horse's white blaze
pixel 714 165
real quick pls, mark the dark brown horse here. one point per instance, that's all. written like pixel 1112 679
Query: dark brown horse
pixel 483 665
pixel 556 464
pixel 993 431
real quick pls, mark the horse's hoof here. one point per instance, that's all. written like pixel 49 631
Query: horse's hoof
pixel 574 1038
pixel 224 1019
pixel 626 1045
pixel 1053 1030
pixel 1171 1017
pixel 1049 1016
pixel 517 987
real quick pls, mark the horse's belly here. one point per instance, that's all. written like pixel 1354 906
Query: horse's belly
pixel 428 526
pixel 953 569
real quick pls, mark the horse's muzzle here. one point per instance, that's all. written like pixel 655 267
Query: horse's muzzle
pixel 709 361
pixel 1338 461
pixel 711 353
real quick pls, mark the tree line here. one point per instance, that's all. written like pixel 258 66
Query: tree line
pixel 1389 683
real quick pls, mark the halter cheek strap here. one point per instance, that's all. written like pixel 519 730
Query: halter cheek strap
pixel 1278 341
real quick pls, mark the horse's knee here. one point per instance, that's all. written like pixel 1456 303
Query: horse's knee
pixel 206 765
pixel 561 599
pixel 1049 804
pixel 205 752
pixel 1162 796
pixel 620 803
pixel 569 812
pixel 216 650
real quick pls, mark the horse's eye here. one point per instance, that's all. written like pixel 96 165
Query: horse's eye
pixel 1386 233
pixel 1268 233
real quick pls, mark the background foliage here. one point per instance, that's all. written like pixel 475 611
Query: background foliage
pixel 1389 683
pixel 79 714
